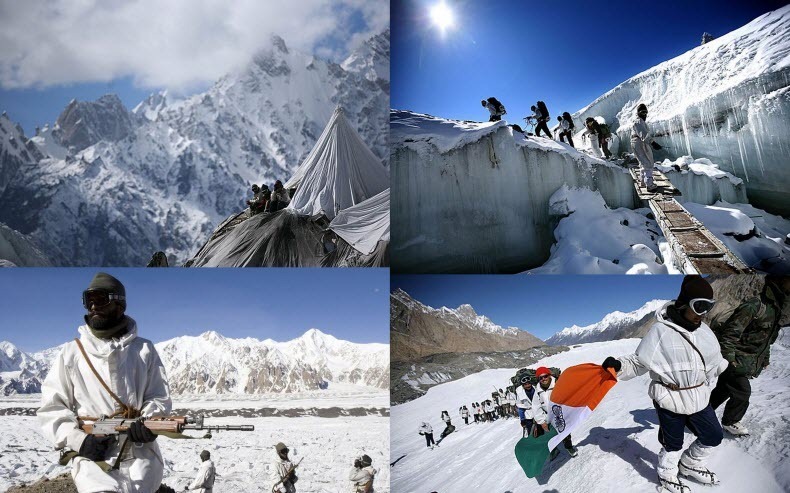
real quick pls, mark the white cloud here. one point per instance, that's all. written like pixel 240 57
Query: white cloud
pixel 173 43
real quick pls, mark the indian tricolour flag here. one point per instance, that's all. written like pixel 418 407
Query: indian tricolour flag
pixel 575 396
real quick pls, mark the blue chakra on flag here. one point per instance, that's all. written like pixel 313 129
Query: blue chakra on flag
pixel 559 420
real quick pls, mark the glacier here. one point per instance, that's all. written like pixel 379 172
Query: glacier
pixel 727 100
pixel 511 203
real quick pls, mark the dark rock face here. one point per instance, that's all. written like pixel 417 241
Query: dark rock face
pixel 85 123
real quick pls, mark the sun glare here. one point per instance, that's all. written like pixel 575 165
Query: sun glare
pixel 442 16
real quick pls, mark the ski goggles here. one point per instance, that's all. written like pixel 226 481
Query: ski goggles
pixel 99 298
pixel 525 380
pixel 701 306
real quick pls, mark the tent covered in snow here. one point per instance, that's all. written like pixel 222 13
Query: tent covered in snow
pixel 339 172
pixel 340 179
pixel 364 233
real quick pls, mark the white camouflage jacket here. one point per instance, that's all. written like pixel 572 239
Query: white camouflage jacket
pixel 131 367
pixel 670 359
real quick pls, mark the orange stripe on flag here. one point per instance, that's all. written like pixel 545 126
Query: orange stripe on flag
pixel 583 385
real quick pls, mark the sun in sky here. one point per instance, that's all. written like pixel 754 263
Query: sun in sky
pixel 442 17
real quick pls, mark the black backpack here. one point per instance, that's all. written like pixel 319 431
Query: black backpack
pixel 567 117
pixel 500 108
pixel 544 110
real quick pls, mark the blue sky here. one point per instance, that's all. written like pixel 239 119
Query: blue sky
pixel 54 52
pixel 41 308
pixel 541 305
pixel 565 53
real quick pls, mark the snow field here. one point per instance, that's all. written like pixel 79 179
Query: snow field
pixel 618 445
pixel 328 446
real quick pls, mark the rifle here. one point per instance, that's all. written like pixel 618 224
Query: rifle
pixel 169 426
pixel 287 475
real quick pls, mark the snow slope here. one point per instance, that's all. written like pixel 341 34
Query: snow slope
pixel 618 445
pixel 727 100
pixel 175 169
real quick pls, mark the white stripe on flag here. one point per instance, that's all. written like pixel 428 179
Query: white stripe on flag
pixel 565 419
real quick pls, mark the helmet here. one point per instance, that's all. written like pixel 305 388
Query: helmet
pixel 255 188
pixel 641 108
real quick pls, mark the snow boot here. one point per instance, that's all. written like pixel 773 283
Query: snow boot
pixel 572 451
pixel 554 453
pixel 672 485
pixel 699 474
pixel 736 429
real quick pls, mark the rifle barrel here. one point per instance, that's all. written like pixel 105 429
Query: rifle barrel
pixel 221 427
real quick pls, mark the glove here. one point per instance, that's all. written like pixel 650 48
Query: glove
pixel 138 433
pixel 611 362
pixel 294 478
pixel 655 146
pixel 95 448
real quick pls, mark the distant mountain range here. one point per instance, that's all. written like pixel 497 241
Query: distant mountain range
pixel 615 325
pixel 109 186
pixel 213 364
pixel 418 330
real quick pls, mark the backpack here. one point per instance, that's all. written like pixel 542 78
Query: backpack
pixel 721 318
pixel 567 117
pixel 544 110
pixel 605 132
pixel 500 108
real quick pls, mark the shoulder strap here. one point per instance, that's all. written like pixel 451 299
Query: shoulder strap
pixel 127 411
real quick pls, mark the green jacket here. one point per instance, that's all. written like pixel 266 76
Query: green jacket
pixel 746 336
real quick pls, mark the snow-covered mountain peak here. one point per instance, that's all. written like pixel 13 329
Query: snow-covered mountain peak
pixel 372 58
pixel 614 325
pixel 279 43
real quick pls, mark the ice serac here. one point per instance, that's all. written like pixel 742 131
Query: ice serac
pixel 164 181
pixel 418 330
pixel 474 197
pixel 615 325
pixel 727 100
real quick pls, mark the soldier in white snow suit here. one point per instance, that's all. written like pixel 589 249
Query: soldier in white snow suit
pixel 641 143
pixel 131 367
pixel 362 475
pixel 283 474
pixel 204 479
pixel 427 431
pixel 682 356
pixel 540 409
pixel 489 410
pixel 465 415
pixel 524 395
pixel 511 402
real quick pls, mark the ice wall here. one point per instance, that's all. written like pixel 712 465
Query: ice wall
pixel 474 197
pixel 702 182
pixel 727 100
